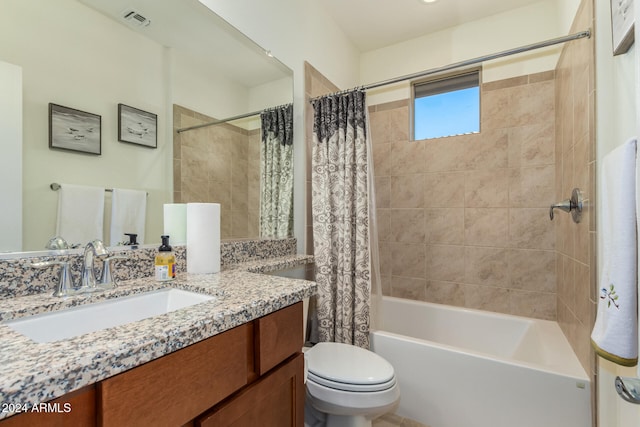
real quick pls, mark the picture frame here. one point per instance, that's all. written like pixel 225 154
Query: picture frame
pixel 136 126
pixel 74 130
pixel 622 25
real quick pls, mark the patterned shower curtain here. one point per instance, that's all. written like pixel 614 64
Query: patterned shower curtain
pixel 340 209
pixel 276 183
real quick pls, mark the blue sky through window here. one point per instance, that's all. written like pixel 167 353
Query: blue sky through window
pixel 447 114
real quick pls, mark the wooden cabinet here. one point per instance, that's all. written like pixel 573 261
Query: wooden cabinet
pixel 73 409
pixel 178 387
pixel 250 375
pixel 276 400
pixel 277 336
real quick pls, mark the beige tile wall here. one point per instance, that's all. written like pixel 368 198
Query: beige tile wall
pixel 464 220
pixel 218 164
pixel 576 167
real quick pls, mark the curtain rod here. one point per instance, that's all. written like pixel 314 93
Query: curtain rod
pixel 230 119
pixel 217 122
pixel 461 64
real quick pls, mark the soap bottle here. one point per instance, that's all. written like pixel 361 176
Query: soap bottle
pixel 133 240
pixel 165 262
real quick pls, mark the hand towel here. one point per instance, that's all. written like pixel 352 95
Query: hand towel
pixel 128 215
pixel 615 333
pixel 80 213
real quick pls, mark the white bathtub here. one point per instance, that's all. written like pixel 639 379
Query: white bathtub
pixel 468 368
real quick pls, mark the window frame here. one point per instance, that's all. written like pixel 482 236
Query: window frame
pixel 441 77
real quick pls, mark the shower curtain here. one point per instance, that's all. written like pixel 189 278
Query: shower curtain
pixel 341 197
pixel 276 183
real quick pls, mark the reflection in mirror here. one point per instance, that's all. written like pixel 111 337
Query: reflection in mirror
pixel 84 54
pixel 245 164
pixel 219 164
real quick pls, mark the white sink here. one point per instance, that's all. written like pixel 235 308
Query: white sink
pixel 72 322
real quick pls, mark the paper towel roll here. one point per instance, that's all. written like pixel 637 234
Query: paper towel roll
pixel 175 222
pixel 203 238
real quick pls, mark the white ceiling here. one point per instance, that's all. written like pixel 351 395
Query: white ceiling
pixel 372 24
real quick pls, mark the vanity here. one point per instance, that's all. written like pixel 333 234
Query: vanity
pixel 233 360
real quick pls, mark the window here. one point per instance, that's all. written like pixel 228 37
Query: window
pixel 446 107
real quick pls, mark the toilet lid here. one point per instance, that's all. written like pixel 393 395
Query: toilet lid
pixel 339 365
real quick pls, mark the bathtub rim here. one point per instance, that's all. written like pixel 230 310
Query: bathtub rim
pixel 575 371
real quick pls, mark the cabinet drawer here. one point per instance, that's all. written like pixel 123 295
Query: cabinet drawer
pixel 278 336
pixel 276 400
pixel 176 388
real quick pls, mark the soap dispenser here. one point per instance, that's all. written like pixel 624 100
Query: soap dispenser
pixel 165 262
pixel 133 240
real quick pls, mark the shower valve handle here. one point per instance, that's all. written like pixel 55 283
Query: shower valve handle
pixel 564 206
pixel 572 205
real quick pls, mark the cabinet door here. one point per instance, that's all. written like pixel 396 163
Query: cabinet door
pixel 278 336
pixel 276 400
pixel 174 389
pixel 77 408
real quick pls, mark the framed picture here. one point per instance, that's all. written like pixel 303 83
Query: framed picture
pixel 74 130
pixel 137 126
pixel 622 22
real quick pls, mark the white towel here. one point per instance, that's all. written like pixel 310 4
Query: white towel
pixel 615 333
pixel 80 213
pixel 128 214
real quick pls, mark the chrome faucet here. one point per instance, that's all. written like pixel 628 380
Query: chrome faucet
pixel 91 250
pixel 88 281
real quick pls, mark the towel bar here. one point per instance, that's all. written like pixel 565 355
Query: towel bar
pixel 55 187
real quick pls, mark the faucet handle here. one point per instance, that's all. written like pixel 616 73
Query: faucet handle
pixel 574 205
pixel 107 281
pixel 565 205
pixel 64 287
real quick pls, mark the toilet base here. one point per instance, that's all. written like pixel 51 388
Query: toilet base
pixel 347 421
pixel 315 418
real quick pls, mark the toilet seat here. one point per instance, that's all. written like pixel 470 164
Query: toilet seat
pixel 350 387
pixel 348 368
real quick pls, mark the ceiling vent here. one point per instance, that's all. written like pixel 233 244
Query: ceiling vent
pixel 135 19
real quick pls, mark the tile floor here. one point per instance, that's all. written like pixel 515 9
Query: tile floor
pixel 393 420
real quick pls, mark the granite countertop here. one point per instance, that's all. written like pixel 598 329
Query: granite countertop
pixel 31 372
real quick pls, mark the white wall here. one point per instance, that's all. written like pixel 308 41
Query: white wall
pixel 531 24
pixel 617 120
pixel 202 93
pixel 11 158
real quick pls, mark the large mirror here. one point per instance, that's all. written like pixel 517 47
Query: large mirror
pixel 172 58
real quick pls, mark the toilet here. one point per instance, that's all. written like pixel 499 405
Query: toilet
pixel 347 386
